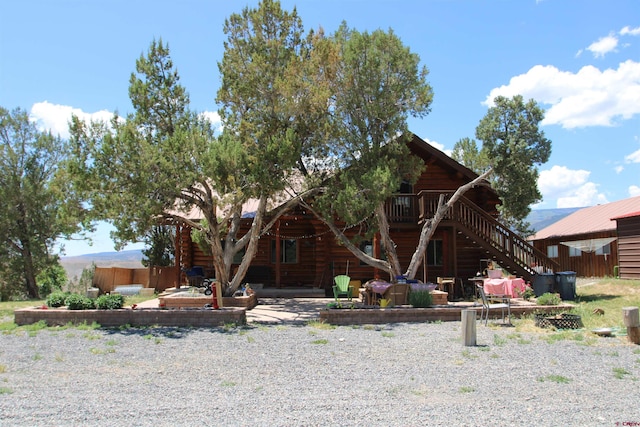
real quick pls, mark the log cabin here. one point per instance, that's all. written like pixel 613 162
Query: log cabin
pixel 300 251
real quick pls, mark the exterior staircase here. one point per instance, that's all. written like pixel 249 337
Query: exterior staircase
pixel 511 251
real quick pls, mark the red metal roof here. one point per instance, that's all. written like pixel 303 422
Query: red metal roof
pixel 591 219
pixel 629 215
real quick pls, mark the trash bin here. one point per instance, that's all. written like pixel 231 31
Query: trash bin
pixel 543 283
pixel 566 284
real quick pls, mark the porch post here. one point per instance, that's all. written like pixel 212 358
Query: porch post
pixel 278 253
pixel 178 254
pixel 376 251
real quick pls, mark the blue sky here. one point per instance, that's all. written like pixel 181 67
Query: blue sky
pixel 580 59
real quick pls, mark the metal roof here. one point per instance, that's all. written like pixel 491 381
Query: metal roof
pixel 590 220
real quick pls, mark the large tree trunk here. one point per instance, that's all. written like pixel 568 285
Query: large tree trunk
pixel 388 244
pixel 252 247
pixel 429 227
pixel 29 272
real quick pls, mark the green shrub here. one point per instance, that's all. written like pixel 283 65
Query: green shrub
pixel 79 302
pixel 56 299
pixel 549 299
pixel 109 302
pixel 420 299
pixel 51 279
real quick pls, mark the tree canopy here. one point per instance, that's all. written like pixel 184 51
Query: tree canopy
pixel 513 146
pixel 37 206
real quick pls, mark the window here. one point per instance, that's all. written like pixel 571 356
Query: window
pixel 434 252
pixel 288 249
pixel 552 251
pixel 574 251
pixel 366 246
pixel 604 250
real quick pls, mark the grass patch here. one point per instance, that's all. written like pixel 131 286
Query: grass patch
pixel 320 341
pixel 467 354
pixel 317 324
pixel 555 378
pixel 5 390
pixel 609 295
pixel 498 340
pixel 620 373
pixel 387 334
pixel 466 389
pixel 37 357
pixel 564 336
pixel 3 369
pixel 228 384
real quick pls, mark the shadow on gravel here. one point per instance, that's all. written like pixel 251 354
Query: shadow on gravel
pixel 177 332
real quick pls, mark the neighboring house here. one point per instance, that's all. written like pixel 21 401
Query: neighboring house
pixel 587 240
pixel 300 250
pixel 628 229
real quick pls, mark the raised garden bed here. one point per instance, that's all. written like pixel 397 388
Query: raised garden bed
pixel 138 317
pixel 187 300
pixel 402 314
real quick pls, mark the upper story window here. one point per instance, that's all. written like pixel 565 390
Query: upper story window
pixel 574 251
pixel 552 251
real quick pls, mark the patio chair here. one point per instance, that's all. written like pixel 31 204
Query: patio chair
pixel 448 285
pixel 487 305
pixel 341 286
pixel 397 293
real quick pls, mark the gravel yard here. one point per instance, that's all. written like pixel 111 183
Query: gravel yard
pixel 401 374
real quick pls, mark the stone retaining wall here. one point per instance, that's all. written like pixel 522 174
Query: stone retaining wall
pixel 138 317
pixel 360 316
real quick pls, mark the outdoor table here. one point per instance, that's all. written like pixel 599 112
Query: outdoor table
pixel 375 287
pixel 511 287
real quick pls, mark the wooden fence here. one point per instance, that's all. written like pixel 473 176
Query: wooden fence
pixel 107 278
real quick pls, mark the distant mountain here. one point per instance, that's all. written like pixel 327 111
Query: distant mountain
pixel 542 218
pixel 74 265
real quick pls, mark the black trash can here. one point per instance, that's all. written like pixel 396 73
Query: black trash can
pixel 566 285
pixel 543 283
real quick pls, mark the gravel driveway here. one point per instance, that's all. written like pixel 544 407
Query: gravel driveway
pixel 401 374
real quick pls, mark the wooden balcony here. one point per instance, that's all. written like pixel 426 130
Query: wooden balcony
pixel 403 209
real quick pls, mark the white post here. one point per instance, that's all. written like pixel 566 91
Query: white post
pixel 468 318
pixel 631 320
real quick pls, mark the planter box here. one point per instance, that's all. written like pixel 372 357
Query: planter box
pixel 407 314
pixel 439 297
pixel 139 317
pixel 184 300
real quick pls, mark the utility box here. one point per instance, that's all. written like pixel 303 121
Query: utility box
pixel 566 285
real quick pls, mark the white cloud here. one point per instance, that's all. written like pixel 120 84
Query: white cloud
pixel 589 97
pixel 634 191
pixel 214 119
pixel 438 146
pixel 618 169
pixel 633 157
pixel 603 46
pixel 570 188
pixel 56 118
pixel 630 31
